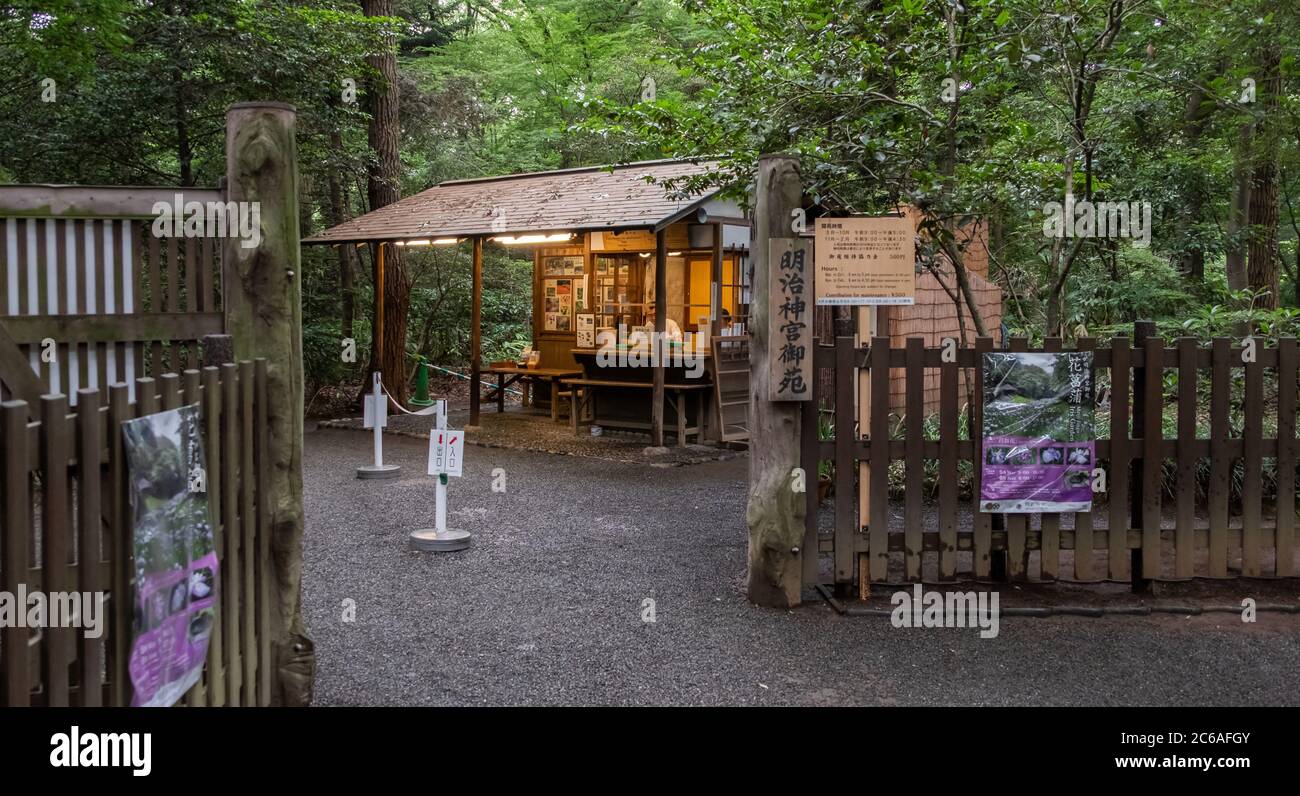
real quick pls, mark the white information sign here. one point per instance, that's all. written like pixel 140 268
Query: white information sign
pixel 369 419
pixel 446 451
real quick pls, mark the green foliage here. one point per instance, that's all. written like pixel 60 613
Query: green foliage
pixel 961 110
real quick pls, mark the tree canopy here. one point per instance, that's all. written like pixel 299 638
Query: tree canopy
pixel 988 109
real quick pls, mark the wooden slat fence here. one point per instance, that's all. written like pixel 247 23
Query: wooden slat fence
pixel 65 526
pixel 81 266
pixel 1210 492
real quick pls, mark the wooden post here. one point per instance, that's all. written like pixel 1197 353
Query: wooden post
pixel 1139 579
pixel 475 334
pixel 716 306
pixel 715 282
pixel 377 356
pixel 775 512
pixel 263 300
pixel 657 349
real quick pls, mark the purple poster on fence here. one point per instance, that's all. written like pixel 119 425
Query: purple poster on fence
pixel 1039 436
pixel 175 594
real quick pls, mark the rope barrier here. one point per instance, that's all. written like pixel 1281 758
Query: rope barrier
pixel 428 410
pixel 467 378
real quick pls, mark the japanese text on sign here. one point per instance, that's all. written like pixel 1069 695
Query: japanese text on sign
pixel 866 260
pixel 789 321
pixel 446 451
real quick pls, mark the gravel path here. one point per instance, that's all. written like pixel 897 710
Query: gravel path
pixel 547 606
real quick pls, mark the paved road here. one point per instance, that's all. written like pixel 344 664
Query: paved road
pixel 547 607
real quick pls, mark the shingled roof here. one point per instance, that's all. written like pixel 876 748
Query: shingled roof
pixel 631 196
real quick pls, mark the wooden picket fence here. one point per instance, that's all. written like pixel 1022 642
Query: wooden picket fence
pixel 942 536
pixel 65 526
pixel 80 266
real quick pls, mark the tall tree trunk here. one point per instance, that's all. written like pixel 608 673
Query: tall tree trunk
pixel 1239 209
pixel 338 213
pixel 184 150
pixel 1195 116
pixel 383 188
pixel 949 168
pixel 1262 272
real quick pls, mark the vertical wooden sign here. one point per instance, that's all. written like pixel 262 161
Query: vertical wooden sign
pixel 789 319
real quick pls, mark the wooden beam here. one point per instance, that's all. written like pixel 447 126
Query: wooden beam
pixel 78 201
pixel 661 321
pixel 32 329
pixel 475 333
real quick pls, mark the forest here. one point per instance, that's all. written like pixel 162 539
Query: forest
pixel 1024 114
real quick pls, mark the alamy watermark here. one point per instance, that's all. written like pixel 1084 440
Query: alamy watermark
pixel 38 609
pixel 647 349
pixel 182 219
pixel 77 749
pixel 1086 219
pixel 920 608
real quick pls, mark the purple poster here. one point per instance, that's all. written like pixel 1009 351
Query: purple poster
pixel 176 583
pixel 1039 436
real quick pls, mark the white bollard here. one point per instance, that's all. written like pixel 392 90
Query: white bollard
pixel 440 490
pixel 446 448
pixel 376 417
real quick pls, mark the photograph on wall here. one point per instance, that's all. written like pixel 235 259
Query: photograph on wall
pixel 561 266
pixel 176 569
pixel 1039 435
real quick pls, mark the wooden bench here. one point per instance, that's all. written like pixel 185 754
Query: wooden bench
pixel 676 394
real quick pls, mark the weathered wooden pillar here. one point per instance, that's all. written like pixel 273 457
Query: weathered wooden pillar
pixel 715 282
pixel 775 513
pixel 263 304
pixel 1141 574
pixel 715 325
pixel 378 343
pixel 658 349
pixel 475 333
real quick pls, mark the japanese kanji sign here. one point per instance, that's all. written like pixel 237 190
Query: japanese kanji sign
pixel 789 319
pixel 866 260
pixel 446 451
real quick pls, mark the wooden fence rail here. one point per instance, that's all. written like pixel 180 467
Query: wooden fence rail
pixel 1194 502
pixel 65 526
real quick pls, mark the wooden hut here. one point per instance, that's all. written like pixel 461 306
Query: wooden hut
pixel 610 246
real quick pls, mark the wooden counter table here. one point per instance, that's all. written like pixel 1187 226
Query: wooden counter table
pixel 618 394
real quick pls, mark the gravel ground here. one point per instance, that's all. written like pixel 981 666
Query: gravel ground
pixel 547 606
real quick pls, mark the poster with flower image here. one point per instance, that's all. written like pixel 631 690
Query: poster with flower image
pixel 176 584
pixel 1039 436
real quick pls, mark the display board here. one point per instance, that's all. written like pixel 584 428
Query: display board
pixel 176 584
pixel 1039 435
pixel 564 288
pixel 866 260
